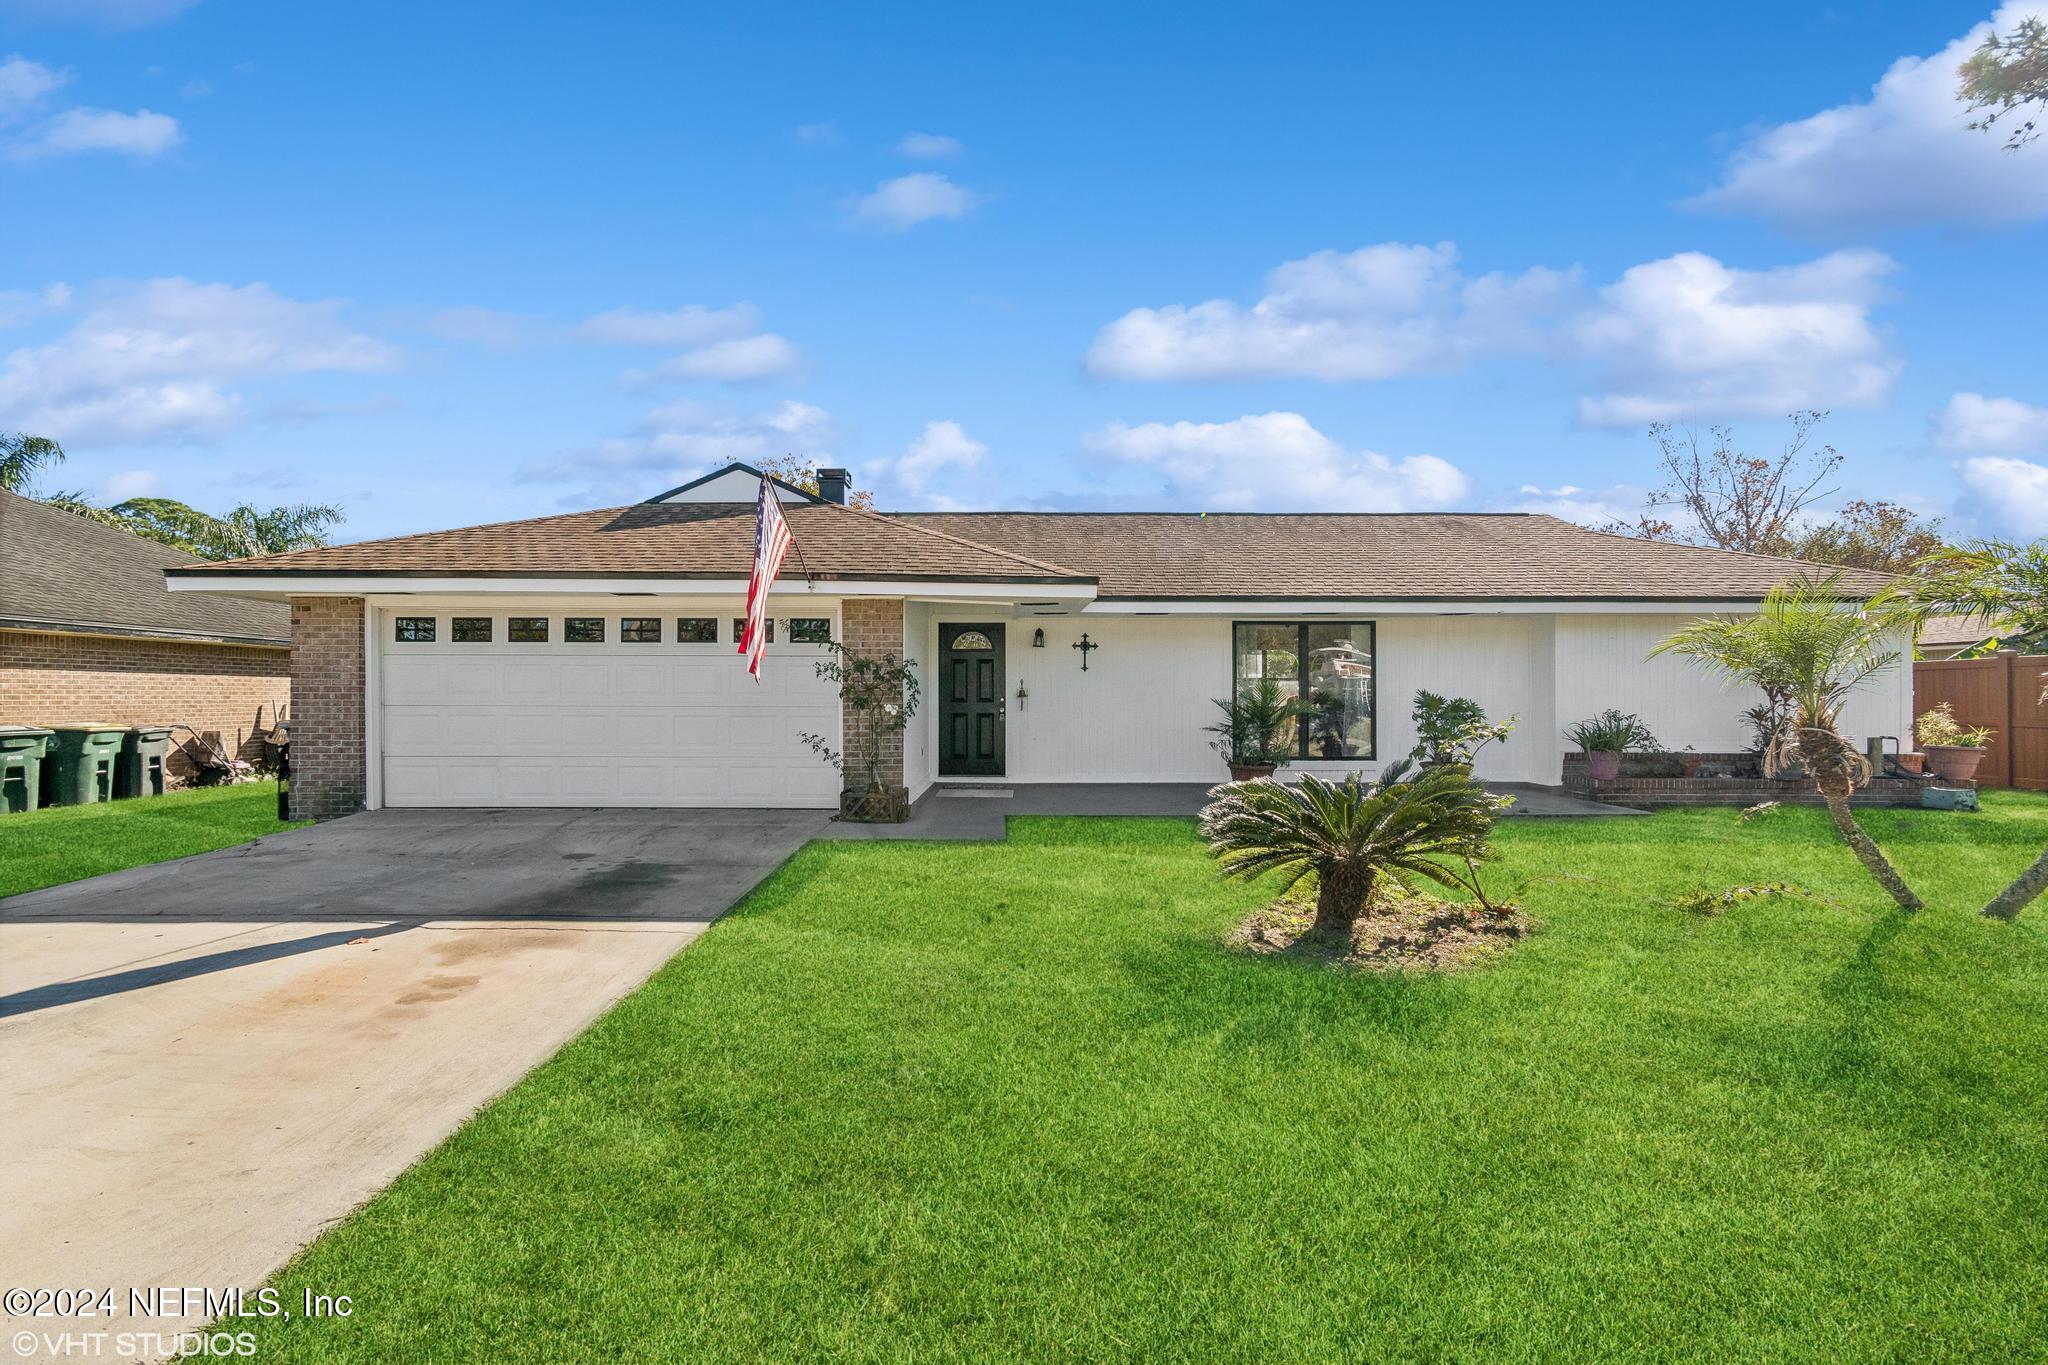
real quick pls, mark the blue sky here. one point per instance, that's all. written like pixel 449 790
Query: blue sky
pixel 451 264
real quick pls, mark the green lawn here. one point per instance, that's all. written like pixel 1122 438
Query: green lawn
pixel 973 1102
pixel 64 843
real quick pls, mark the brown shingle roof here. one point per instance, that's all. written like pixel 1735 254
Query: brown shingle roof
pixel 1408 556
pixel 62 572
pixel 679 540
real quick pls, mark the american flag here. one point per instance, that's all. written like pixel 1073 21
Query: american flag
pixel 771 544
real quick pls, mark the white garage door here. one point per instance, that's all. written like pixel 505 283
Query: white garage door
pixel 476 710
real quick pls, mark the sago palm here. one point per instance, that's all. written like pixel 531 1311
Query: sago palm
pixel 1812 646
pixel 1352 833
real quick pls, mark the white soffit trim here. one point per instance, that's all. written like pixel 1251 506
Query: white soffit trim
pixel 1558 606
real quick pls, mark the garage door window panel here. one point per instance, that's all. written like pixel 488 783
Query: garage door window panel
pixel 527 630
pixel 697 630
pixel 470 630
pixel 415 630
pixel 640 630
pixel 583 630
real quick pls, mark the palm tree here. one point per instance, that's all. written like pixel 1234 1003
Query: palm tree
pixel 1352 833
pixel 1812 646
pixel 22 456
pixel 2005 586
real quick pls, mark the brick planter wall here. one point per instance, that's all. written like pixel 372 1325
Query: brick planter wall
pixel 327 707
pixel 229 692
pixel 873 626
pixel 1638 789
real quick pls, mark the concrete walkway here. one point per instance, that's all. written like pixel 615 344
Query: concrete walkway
pixel 979 812
pixel 209 1061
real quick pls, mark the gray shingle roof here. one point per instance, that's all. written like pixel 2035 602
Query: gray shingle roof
pixel 672 540
pixel 61 572
pixel 1404 556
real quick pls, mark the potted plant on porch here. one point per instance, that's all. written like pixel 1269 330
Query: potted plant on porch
pixel 1953 753
pixel 879 695
pixel 1253 734
pixel 1606 737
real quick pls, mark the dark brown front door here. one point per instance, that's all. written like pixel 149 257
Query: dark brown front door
pixel 971 701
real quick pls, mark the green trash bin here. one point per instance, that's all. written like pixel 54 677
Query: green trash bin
pixel 21 767
pixel 144 751
pixel 82 762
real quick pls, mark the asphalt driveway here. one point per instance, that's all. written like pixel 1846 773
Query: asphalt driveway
pixel 208 1061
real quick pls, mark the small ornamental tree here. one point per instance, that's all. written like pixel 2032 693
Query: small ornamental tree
pixel 879 694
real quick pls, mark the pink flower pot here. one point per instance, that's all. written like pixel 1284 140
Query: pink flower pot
pixel 1603 765
pixel 1953 762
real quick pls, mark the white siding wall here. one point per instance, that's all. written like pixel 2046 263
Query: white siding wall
pixel 1137 714
pixel 1602 661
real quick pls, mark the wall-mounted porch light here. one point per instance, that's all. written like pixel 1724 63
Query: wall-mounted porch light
pixel 1038 638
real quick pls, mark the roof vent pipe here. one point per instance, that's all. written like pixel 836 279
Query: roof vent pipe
pixel 832 485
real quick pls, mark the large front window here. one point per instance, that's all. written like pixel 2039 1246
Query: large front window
pixel 1325 664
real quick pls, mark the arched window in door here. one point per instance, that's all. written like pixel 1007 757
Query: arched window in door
pixel 972 639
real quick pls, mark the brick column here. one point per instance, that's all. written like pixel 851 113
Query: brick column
pixel 873 626
pixel 327 707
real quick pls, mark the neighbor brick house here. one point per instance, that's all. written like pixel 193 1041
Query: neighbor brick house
pixel 89 633
pixel 590 659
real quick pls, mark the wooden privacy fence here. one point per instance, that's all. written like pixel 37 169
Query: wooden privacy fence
pixel 2002 694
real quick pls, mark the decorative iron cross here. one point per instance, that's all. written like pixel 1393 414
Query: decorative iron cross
pixel 1084 644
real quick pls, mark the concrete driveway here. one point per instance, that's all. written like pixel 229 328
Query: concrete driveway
pixel 206 1062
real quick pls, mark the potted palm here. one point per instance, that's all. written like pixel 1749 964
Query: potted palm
pixel 1606 737
pixel 1253 734
pixel 1953 752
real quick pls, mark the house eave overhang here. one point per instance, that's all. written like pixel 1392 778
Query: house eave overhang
pixel 114 631
pixel 1412 606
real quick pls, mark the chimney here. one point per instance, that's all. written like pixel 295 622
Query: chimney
pixel 832 485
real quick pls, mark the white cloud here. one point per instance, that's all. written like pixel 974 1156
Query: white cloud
pixel 1684 336
pixel 912 199
pixel 1278 460
pixel 825 134
pixel 140 134
pixel 687 326
pixel 105 13
pixel 1586 506
pixel 929 146
pixel 129 483
pixel 740 360
pixel 1374 313
pixel 156 361
pixel 18 306
pixel 2009 494
pixel 24 85
pixel 1690 337
pixel 939 447
pixel 1901 157
pixel 1973 422
pixel 678 441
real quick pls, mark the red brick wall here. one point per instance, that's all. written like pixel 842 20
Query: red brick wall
pixel 873 626
pixel 232 692
pixel 327 706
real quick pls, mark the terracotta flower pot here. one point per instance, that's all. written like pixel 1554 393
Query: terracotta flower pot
pixel 1912 762
pixel 1953 762
pixel 1247 772
pixel 1603 765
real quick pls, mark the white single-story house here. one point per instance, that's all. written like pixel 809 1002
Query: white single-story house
pixel 590 659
